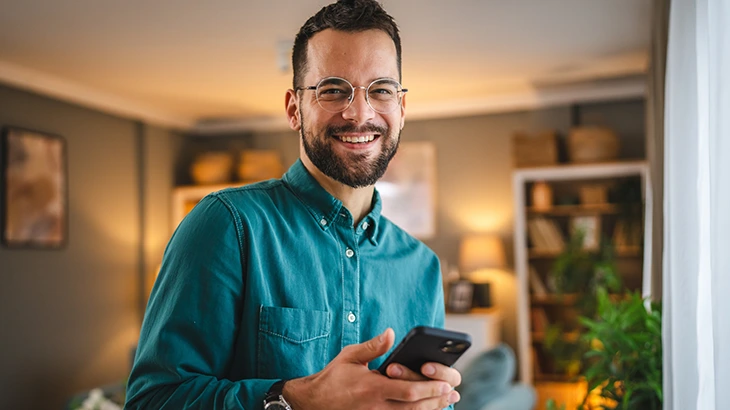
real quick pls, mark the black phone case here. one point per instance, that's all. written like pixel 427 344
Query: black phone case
pixel 424 344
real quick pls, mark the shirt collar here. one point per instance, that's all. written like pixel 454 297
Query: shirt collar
pixel 325 208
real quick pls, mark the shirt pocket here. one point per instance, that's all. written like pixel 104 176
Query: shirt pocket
pixel 291 342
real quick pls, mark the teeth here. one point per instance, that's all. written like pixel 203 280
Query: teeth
pixel 355 140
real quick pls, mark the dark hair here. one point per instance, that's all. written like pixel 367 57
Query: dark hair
pixel 345 15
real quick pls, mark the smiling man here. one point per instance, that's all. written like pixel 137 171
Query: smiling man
pixel 288 293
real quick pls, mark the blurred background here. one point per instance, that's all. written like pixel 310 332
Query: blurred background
pixel 159 103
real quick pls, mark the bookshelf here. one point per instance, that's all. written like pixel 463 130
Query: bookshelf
pixel 541 234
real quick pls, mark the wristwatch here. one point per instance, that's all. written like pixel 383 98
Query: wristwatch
pixel 274 399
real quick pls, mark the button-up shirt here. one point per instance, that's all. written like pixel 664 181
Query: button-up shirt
pixel 270 281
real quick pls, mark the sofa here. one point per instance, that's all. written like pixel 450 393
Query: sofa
pixel 488 383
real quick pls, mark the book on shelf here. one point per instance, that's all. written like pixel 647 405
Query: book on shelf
pixel 536 283
pixel 536 368
pixel 536 238
pixel 540 320
pixel 545 235
pixel 627 236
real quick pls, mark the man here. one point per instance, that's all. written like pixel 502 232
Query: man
pixel 268 291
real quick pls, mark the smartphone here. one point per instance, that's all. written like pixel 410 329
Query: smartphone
pixel 424 344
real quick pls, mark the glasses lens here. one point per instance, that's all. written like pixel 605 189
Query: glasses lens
pixel 333 94
pixel 384 95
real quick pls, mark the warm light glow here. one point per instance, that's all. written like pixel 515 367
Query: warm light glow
pixel 481 252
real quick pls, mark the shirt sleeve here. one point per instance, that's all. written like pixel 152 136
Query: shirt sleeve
pixel 186 344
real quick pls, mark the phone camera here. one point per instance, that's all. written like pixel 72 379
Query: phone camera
pixel 450 347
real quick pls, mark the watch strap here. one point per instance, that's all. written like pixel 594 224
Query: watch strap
pixel 275 393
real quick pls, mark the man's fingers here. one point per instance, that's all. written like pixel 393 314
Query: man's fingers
pixel 437 371
pixel 365 352
pixel 398 371
pixel 429 371
pixel 434 402
pixel 409 391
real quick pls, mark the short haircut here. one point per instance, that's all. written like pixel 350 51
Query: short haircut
pixel 345 15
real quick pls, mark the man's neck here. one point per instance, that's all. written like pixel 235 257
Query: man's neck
pixel 357 200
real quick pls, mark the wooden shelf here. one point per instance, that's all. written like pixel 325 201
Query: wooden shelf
pixel 556 377
pixel 570 337
pixel 564 299
pixel 570 210
pixel 623 252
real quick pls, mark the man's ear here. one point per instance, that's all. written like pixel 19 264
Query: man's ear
pixel 403 111
pixel 292 110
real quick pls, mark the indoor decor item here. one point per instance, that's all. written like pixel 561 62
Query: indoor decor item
pixel 594 194
pixel 534 150
pixel 259 165
pixel 212 168
pixel 481 251
pixel 408 189
pixel 592 144
pixel 589 227
pixel 542 196
pixel 479 255
pixel 582 274
pixel 624 363
pixel 459 297
pixel 34 189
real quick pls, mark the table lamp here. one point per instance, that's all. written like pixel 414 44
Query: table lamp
pixel 478 255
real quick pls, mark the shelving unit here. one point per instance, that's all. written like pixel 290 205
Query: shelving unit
pixel 630 260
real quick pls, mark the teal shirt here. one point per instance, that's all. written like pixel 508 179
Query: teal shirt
pixel 270 281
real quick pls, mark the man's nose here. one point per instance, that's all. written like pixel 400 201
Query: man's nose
pixel 359 110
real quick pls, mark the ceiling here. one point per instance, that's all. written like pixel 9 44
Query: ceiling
pixel 217 64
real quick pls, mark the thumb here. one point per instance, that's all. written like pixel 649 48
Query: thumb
pixel 365 352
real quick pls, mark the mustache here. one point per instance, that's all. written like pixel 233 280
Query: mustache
pixel 333 130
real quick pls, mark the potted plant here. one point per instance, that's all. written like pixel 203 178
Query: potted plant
pixel 625 359
pixel 624 362
pixel 582 273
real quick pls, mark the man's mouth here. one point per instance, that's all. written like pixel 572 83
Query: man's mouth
pixel 361 139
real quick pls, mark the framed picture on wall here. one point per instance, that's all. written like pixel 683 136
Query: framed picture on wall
pixel 459 296
pixel 589 226
pixel 408 189
pixel 33 189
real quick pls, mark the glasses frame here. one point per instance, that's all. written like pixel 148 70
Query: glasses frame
pixel 351 98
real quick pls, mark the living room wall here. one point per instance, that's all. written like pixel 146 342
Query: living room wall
pixel 474 171
pixel 70 317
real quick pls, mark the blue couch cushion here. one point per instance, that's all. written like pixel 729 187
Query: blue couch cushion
pixel 487 377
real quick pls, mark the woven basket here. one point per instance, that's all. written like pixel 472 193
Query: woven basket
pixel 534 150
pixel 592 144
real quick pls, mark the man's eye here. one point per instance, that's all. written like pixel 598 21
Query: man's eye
pixel 332 91
pixel 385 91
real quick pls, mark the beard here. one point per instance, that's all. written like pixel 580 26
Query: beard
pixel 356 170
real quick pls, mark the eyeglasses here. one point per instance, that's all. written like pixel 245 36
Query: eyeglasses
pixel 335 94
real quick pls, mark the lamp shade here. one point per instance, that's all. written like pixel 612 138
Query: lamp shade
pixel 481 252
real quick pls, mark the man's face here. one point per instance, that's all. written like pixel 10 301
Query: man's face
pixel 332 141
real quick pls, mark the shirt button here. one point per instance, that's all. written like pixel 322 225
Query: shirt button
pixel 365 225
pixel 323 222
pixel 351 317
pixel 349 253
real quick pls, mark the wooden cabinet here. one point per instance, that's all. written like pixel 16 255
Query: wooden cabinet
pixel 577 202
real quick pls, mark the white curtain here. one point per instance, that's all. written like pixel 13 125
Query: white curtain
pixel 697 207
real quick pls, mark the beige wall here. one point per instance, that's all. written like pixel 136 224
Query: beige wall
pixel 69 317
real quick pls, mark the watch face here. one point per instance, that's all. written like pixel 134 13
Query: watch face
pixel 276 405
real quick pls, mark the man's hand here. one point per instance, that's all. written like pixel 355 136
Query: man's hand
pixel 432 371
pixel 347 383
